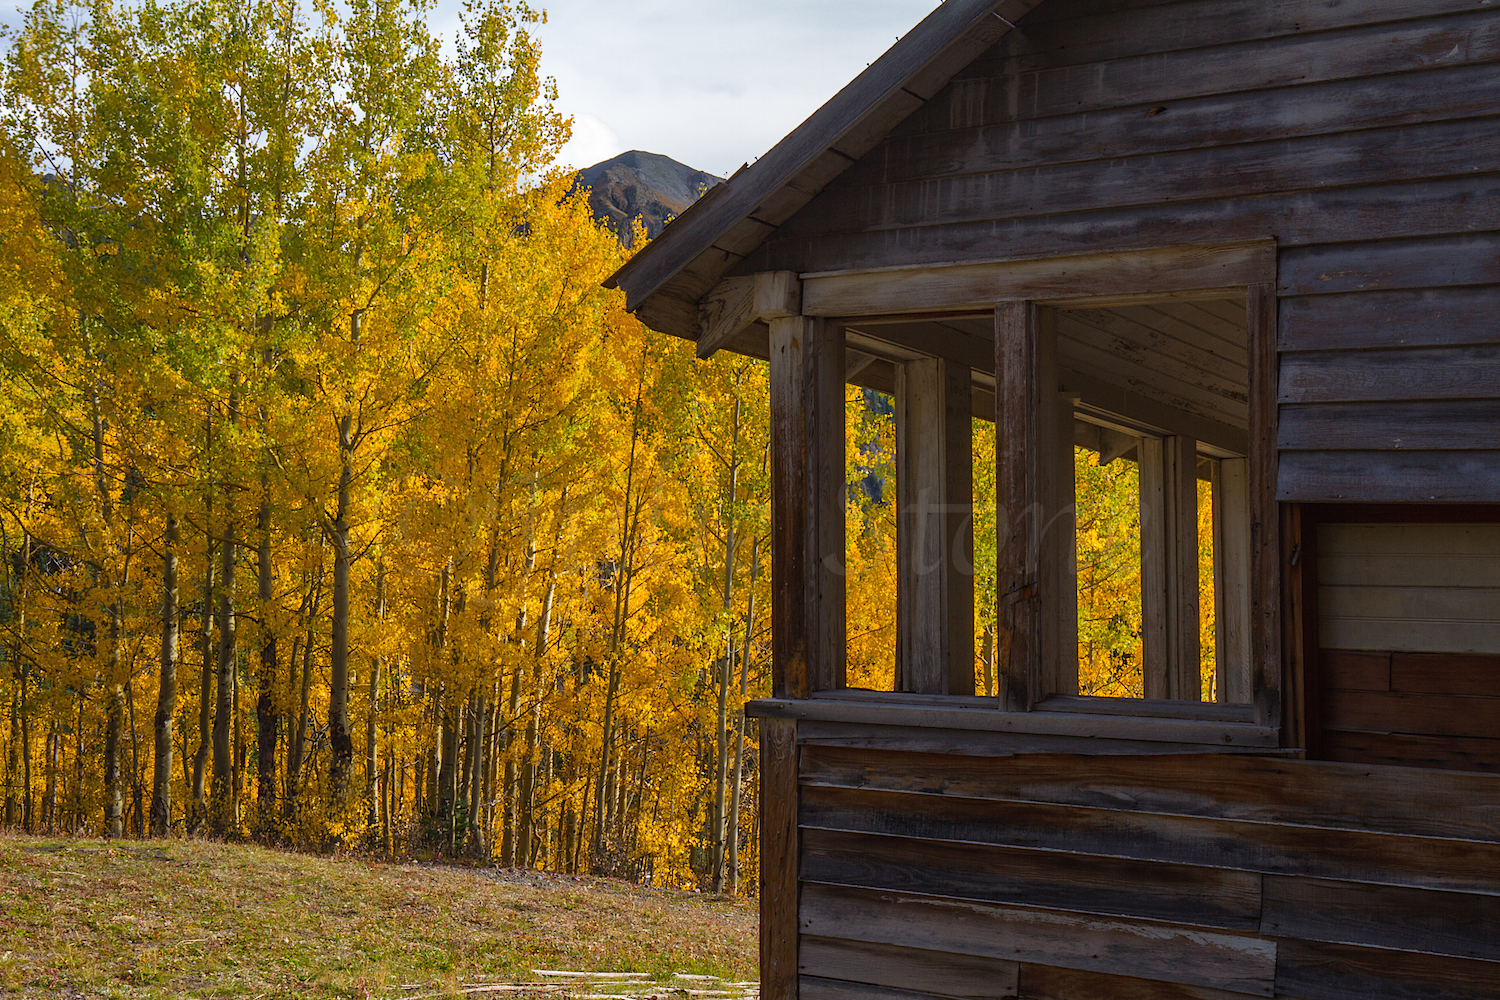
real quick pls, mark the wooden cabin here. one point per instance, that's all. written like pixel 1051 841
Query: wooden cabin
pixel 1255 244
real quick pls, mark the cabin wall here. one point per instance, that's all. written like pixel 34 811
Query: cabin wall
pixel 1056 876
pixel 1361 135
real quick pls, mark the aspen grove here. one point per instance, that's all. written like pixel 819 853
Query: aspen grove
pixel 341 506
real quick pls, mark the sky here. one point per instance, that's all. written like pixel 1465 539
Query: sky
pixel 713 84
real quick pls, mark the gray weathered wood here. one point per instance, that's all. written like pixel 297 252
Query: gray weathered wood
pixel 1016 504
pixel 1150 950
pixel 969 286
pixel 1433 317
pixel 945 974
pixel 1316 971
pixel 1439 923
pixel 934 538
pixel 1387 425
pixel 779 852
pixel 1265 543
pixel 737 304
pixel 1400 374
pixel 1390 476
pixel 1232 582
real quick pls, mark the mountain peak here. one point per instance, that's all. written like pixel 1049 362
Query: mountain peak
pixel 642 185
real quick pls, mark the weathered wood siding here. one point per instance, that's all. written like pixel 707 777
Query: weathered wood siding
pixel 1210 877
pixel 1364 136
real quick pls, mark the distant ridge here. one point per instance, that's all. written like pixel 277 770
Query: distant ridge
pixel 642 185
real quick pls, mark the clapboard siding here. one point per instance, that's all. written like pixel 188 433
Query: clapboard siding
pixel 1364 136
pixel 1069 877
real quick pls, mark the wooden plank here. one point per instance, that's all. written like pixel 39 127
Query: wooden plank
pixel 1316 971
pixel 1041 982
pixel 1433 317
pixel 1104 397
pixel 1382 916
pixel 1415 539
pixel 964 976
pixel 1414 373
pixel 1443 261
pixel 1407 153
pixel 725 313
pixel 1147 949
pixel 824 541
pixel 935 547
pixel 779 853
pixel 1236 664
pixel 1446 425
pixel 1348 670
pixel 1098 727
pixel 1390 477
pixel 1257 790
pixel 1420 862
pixel 1188 355
pixel 1445 752
pixel 1444 673
pixel 1017 656
pixel 789 485
pixel 1418 714
pixel 1431 94
pixel 1071 39
pixel 1391 602
pixel 816 988
pixel 1109 886
pixel 1249 65
pixel 1421 635
pixel 1265 546
pixel 1379 211
pixel 965 742
pixel 1220 402
pixel 967 286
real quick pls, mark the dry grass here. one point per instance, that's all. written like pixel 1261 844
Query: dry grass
pixel 195 919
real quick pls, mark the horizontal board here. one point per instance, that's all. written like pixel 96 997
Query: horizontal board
pixel 1433 569
pixel 1389 477
pixel 944 974
pixel 1433 317
pixel 1394 603
pixel 1445 425
pixel 1256 789
pixel 1419 714
pixel 1061 39
pixel 1436 150
pixel 1414 541
pixel 1167 340
pixel 1256 64
pixel 1445 752
pixel 1354 671
pixel 1372 212
pixel 1042 982
pixel 1464 866
pixel 1317 971
pixel 1109 886
pixel 1439 673
pixel 1382 916
pixel 971 743
pixel 815 988
pixel 1216 120
pixel 1149 950
pixel 1470 259
pixel 1423 635
pixel 1220 403
pixel 1413 373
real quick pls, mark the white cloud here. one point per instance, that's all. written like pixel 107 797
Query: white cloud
pixel 593 140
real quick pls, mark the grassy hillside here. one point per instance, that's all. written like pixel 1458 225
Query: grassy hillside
pixel 195 919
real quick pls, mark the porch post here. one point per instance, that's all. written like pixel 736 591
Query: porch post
pixel 934 528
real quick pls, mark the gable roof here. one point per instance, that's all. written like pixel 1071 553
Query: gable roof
pixel 664 282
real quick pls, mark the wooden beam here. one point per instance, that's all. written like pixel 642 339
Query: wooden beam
pixel 779 859
pixel 1265 526
pixel 1017 652
pixel 1169 568
pixel 1144 274
pixel 737 304
pixel 1232 581
pixel 807 506
pixel 934 537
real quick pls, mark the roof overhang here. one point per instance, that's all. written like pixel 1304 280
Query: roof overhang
pixel 667 282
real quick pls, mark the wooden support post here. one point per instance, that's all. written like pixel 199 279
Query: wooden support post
pixel 1017 403
pixel 1265 547
pixel 807 506
pixel 1232 580
pixel 1059 542
pixel 779 854
pixel 934 536
pixel 1169 568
